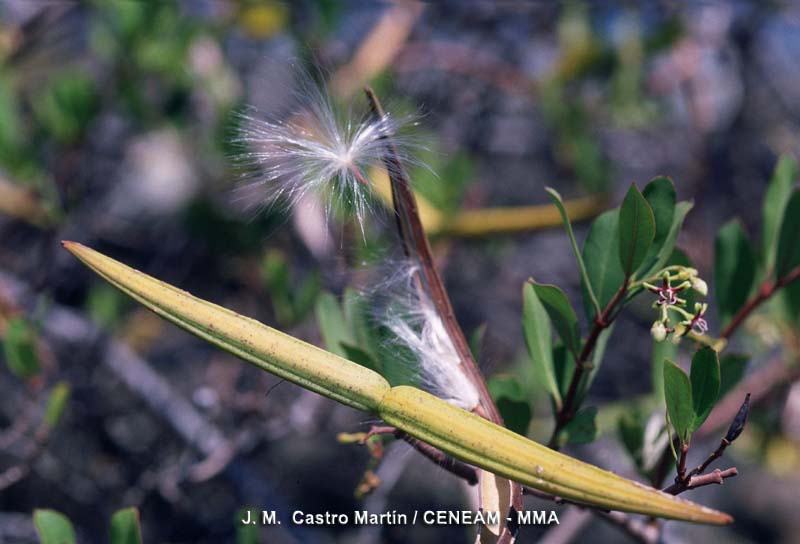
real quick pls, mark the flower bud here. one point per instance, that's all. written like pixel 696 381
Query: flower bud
pixel 658 331
pixel 700 286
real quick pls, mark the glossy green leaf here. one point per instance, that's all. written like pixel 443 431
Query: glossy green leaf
pixel 536 328
pixel 663 255
pixel 705 378
pixel 731 369
pixel 564 367
pixel 660 194
pixel 561 314
pixel 583 427
pixel 600 253
pixel 678 396
pixel 637 228
pixel 56 403
pixel 775 199
pixel 734 269
pixel 788 256
pixel 332 324
pixel 125 527
pixel 53 527
pixel 512 402
pixel 19 348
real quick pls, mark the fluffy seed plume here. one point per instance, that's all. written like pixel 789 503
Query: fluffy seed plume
pixel 415 325
pixel 315 150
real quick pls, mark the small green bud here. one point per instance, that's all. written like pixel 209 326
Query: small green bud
pixel 700 286
pixel 658 331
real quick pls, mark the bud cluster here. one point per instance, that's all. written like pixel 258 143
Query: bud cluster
pixel 674 317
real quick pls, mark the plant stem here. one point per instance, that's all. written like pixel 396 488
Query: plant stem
pixel 569 406
pixel 416 246
pixel 765 291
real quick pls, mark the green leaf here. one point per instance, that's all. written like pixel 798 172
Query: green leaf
pixel 705 378
pixel 788 256
pixel 597 360
pixel 55 404
pixel 536 327
pixel 734 269
pixel 665 252
pixel 125 527
pixel 564 366
pixel 332 325
pixel 731 369
pixel 583 427
pixel 358 355
pixel 600 252
pixel 357 315
pixel 561 314
pixel 678 396
pixel 53 527
pixel 19 348
pixel 512 403
pixel 559 203
pixel 775 199
pixel 630 429
pixel 660 194
pixel 637 228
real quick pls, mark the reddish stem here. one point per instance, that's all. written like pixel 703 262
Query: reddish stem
pixel 765 291
pixel 568 406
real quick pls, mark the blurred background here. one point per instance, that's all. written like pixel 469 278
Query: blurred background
pixel 116 122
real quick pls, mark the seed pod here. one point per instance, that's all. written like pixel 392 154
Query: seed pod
pixel 737 426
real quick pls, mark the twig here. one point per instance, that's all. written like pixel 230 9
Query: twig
pixel 416 245
pixel 681 476
pixel 765 291
pixel 601 322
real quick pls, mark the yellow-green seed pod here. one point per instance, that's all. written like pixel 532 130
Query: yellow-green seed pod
pixel 480 442
pixel 457 432
pixel 273 351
